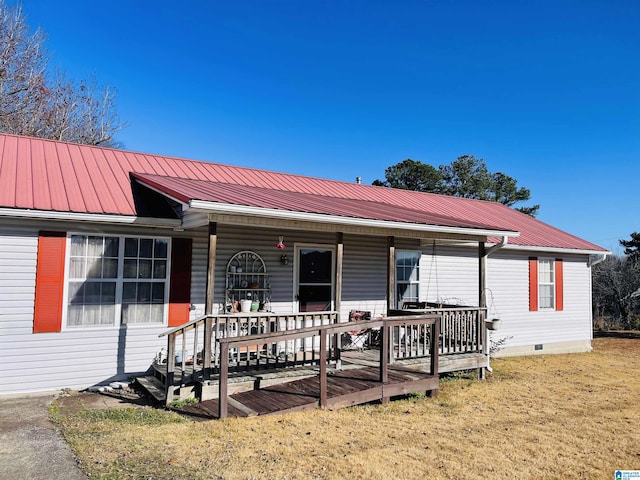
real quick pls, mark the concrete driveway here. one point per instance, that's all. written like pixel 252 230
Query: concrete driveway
pixel 30 446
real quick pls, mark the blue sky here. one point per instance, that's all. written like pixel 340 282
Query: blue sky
pixel 547 92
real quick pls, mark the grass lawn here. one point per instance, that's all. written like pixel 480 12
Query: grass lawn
pixel 549 416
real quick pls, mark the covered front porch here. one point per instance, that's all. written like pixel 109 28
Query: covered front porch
pixel 284 301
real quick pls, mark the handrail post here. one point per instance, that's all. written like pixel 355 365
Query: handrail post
pixel 484 336
pixel 207 350
pixel 195 353
pixel 323 368
pixel 435 347
pixel 171 367
pixel 384 352
pixel 224 377
pixel 481 335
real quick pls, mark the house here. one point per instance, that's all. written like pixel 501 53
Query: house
pixel 102 251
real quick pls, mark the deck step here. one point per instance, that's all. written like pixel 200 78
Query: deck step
pixel 153 386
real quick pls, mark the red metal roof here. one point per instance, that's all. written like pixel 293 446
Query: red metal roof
pixel 63 177
pixel 185 190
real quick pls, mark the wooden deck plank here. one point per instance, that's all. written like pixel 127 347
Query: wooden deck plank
pixel 294 388
pixel 282 401
pixel 304 387
pixel 246 410
pixel 347 385
pixel 270 400
pixel 264 401
pixel 209 409
pixel 344 388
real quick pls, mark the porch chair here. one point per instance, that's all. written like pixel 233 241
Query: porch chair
pixel 357 339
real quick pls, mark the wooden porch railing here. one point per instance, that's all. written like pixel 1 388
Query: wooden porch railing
pixel 193 350
pixel 390 329
pixel 462 330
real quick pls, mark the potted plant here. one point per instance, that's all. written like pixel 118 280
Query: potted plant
pixel 492 323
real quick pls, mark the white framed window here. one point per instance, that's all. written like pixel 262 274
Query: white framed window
pixel 407 277
pixel 546 283
pixel 114 280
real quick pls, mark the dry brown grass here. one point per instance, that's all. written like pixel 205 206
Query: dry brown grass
pixel 562 416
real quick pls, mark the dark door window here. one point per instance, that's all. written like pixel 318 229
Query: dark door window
pixel 315 279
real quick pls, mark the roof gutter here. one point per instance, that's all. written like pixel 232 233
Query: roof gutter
pixel 90 217
pixel 497 246
pixel 578 251
pixel 225 208
pixel 596 259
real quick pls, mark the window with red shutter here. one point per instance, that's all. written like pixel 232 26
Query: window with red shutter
pixel 47 315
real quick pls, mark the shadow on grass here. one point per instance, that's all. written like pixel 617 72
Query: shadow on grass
pixel 632 334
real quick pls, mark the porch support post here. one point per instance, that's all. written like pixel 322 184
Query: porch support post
pixel 482 302
pixel 339 256
pixel 482 275
pixel 211 267
pixel 391 273
pixel 338 293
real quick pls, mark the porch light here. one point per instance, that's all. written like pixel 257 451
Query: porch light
pixel 280 243
pixel 284 260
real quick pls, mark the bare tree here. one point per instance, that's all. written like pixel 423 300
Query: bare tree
pixel 33 102
pixel 616 282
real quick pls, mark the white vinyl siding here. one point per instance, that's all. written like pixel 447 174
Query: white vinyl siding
pixel 75 357
pixel 18 254
pixel 507 278
pixel 450 276
pixel 81 357
pixel 364 275
pixel 232 239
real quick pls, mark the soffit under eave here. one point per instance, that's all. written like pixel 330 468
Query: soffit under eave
pixel 198 220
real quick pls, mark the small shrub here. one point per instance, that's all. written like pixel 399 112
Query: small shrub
pixel 495 345
pixel 182 404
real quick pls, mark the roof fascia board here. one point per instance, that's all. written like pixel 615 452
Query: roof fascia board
pixel 467 244
pixel 223 208
pixel 264 222
pixel 554 249
pixel 91 217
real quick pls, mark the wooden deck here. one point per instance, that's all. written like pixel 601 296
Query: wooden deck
pixel 241 382
pixel 345 388
pixel 269 342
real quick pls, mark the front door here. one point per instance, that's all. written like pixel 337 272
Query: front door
pixel 314 279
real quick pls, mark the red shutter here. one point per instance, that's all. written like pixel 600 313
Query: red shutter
pixel 180 281
pixel 47 312
pixel 559 285
pixel 533 284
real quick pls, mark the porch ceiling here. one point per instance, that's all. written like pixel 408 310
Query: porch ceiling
pixel 286 206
